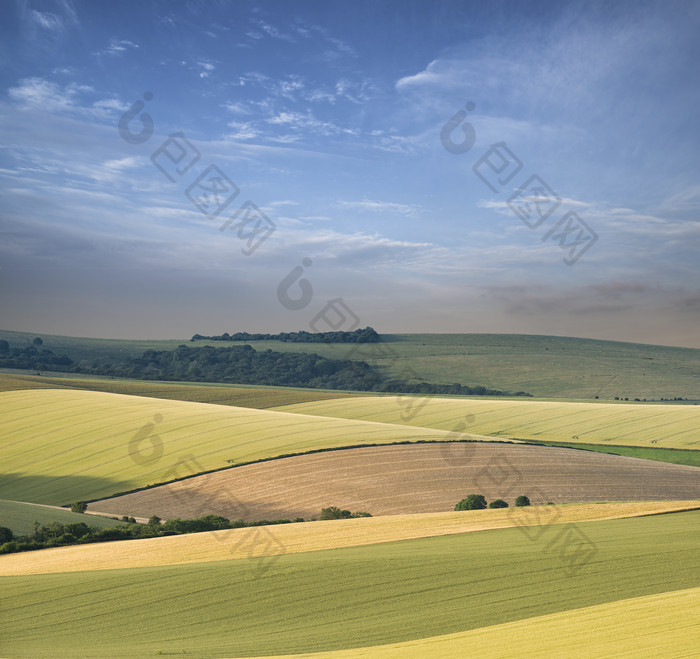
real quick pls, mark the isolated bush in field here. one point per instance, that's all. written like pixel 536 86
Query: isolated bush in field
pixel 522 500
pixel 498 503
pixel 6 535
pixel 472 502
pixel 78 507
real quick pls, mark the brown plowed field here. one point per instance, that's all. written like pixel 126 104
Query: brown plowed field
pixel 392 480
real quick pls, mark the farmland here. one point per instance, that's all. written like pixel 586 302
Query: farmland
pixel 395 584
pixel 220 394
pixel 392 480
pixel 328 600
pixel 667 426
pixel 304 537
pixel 609 629
pixel 61 445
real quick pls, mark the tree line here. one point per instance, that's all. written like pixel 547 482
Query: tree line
pixel 240 365
pixel 366 335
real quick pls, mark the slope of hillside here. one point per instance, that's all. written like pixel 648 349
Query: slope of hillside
pixel 668 426
pixel 59 446
pixel 547 366
pixel 269 541
pixel 660 625
pixel 391 480
pixel 345 598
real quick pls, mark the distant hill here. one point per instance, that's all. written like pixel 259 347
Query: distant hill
pixel 544 366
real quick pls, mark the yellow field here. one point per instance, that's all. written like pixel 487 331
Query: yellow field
pixel 667 426
pixel 312 536
pixel 59 446
pixel 662 625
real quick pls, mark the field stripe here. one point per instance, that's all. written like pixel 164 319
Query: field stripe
pixel 310 536
pixel 662 625
pixel 669 426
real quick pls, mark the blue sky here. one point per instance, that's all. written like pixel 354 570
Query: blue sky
pixel 328 119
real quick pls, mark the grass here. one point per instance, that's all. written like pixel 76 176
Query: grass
pixel 667 621
pixel 309 536
pixel 545 366
pixel 220 394
pixel 345 598
pixel 62 445
pixel 20 517
pixel 674 456
pixel 666 426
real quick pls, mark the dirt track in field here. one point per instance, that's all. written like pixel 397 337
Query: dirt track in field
pixel 391 480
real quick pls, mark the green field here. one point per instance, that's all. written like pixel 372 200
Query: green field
pixel 20 517
pixel 609 630
pixel 674 456
pixel 664 426
pixel 345 598
pixel 61 445
pixel 545 366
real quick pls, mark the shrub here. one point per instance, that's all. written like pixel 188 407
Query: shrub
pixel 522 500
pixel 498 503
pixel 472 502
pixel 6 535
pixel 78 507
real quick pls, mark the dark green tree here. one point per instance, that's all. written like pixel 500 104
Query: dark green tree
pixel 522 500
pixel 78 507
pixel 498 503
pixel 472 502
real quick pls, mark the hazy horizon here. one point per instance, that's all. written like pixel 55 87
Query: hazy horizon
pixel 457 167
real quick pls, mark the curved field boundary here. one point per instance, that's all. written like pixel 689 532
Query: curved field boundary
pixel 662 625
pixel 412 478
pixel 343 598
pixel 60 446
pixel 221 394
pixel 310 536
pixel 668 426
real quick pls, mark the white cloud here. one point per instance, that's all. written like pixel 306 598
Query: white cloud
pixel 410 210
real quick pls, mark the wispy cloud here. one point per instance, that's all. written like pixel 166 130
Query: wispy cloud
pixel 410 210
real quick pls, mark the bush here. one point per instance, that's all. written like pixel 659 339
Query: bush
pixel 6 535
pixel 522 500
pixel 498 503
pixel 154 521
pixel 333 512
pixel 472 502
pixel 78 507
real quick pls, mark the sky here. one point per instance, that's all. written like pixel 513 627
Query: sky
pixel 170 168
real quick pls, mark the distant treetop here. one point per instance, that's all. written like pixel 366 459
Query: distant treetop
pixel 366 335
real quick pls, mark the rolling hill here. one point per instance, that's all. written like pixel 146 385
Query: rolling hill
pixel 392 480
pixel 347 598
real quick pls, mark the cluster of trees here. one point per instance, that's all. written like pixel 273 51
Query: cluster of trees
pixel 333 512
pixel 478 502
pixel 56 534
pixel 32 357
pixel 366 335
pixel 241 365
